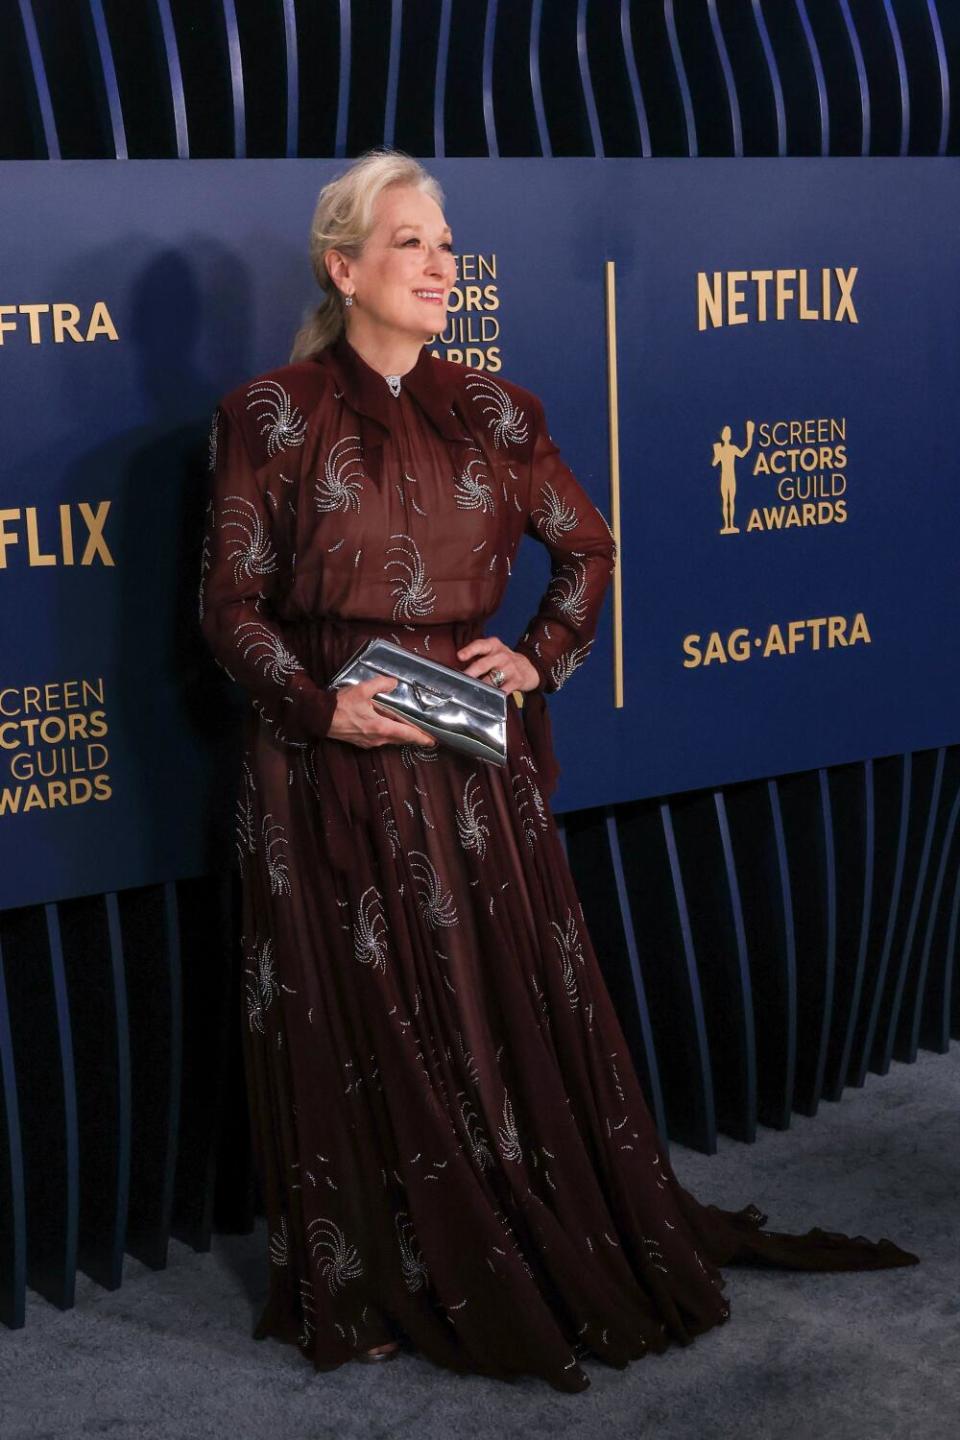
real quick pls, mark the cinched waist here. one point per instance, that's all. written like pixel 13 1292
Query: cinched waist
pixel 325 642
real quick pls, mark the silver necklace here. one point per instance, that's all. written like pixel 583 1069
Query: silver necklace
pixel 394 382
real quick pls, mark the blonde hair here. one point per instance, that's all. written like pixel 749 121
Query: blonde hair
pixel 343 220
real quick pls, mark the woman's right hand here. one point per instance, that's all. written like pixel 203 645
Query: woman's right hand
pixel 357 721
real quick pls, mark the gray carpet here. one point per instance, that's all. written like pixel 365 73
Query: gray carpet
pixel 839 1356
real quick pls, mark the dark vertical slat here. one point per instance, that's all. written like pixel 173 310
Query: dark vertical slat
pixel 719 947
pixel 743 990
pixel 13 1207
pixel 903 927
pixel 71 1147
pixel 706 1133
pixel 465 108
pixel 171 937
pixel 681 1055
pixel 21 126
pixel 151 953
pixel 94 973
pixel 879 978
pixel 646 1054
pixel 830 952
pixel 808 841
pixel 951 994
pixel 204 908
pixel 593 849
pixel 780 1114
pixel 197 71
pixel 124 1080
pixel 40 1030
pixel 897 1039
pixel 757 877
pixel 856 841
pixel 416 81
pixel 929 1011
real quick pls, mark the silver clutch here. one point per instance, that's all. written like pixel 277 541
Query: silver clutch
pixel 462 711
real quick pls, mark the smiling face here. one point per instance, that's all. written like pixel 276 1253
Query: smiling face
pixel 402 281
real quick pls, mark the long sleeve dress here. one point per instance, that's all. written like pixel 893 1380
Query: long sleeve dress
pixel 451 1139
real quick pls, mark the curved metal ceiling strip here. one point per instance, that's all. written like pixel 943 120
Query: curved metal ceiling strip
pixel 536 89
pixel 440 82
pixel 41 88
pixel 730 84
pixel 902 77
pixel 236 79
pixel 685 97
pixel 862 81
pixel 586 84
pixel 775 84
pixel 343 81
pixel 944 70
pixel 175 75
pixel 292 55
pixel 393 71
pixel 821 79
pixel 108 72
pixel 489 113
pixel 636 93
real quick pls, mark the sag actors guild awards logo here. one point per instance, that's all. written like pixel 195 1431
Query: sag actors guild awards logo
pixel 800 467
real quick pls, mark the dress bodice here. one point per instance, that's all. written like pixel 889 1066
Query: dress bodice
pixel 331 496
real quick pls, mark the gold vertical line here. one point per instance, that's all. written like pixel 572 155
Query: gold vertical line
pixel 610 285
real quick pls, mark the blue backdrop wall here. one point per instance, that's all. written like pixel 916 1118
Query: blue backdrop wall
pixel 783 373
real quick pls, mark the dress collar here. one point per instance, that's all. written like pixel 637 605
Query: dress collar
pixel 432 383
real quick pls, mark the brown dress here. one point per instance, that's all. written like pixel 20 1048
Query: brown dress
pixel 451 1139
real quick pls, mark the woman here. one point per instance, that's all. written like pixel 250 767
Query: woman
pixel 447 1126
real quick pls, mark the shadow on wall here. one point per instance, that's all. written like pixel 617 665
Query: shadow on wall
pixel 173 715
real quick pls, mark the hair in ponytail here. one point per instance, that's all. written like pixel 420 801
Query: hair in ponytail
pixel 342 220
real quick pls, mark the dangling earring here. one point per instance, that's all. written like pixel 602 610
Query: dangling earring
pixel 348 300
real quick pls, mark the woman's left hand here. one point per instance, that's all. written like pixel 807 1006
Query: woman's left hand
pixel 489 653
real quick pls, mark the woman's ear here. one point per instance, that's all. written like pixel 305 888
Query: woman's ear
pixel 337 266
